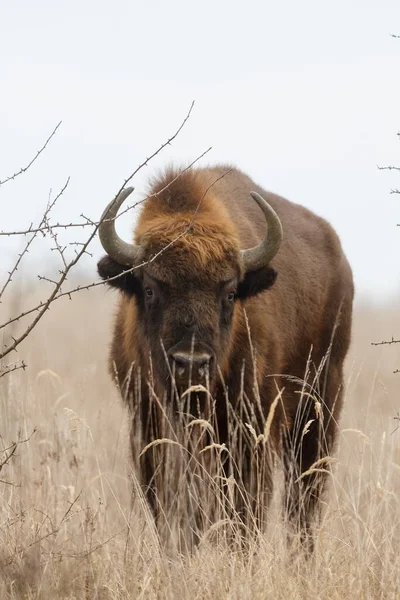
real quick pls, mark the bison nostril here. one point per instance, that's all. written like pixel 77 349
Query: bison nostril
pixel 181 360
pixel 196 364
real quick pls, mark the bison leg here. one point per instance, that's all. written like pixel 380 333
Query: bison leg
pixel 173 478
pixel 251 465
pixel 306 444
pixel 258 479
pixel 144 470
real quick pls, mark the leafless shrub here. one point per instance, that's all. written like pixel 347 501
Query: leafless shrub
pixel 21 323
pixel 392 191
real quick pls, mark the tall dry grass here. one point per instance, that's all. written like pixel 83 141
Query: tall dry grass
pixel 69 527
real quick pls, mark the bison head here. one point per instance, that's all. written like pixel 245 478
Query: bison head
pixel 184 277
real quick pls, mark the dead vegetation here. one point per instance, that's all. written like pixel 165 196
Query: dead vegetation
pixel 69 527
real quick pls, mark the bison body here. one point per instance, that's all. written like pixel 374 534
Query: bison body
pixel 214 296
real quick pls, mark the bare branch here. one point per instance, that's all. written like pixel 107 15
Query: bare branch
pixel 11 450
pixel 167 143
pixel 387 342
pixel 388 168
pixel 397 417
pixel 57 247
pixel 44 228
pixel 43 222
pixel 12 367
pixel 38 153
pixel 392 191
pixel 50 299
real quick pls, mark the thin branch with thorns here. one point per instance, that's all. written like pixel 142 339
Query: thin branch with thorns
pixel 43 224
pixel 386 342
pixel 9 452
pixel 392 191
pixel 34 159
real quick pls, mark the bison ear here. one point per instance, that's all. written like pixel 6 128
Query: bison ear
pixel 128 283
pixel 255 282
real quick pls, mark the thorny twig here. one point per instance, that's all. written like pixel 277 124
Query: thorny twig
pixel 38 153
pixel 389 342
pixel 167 143
pixel 12 367
pixel 41 311
pixel 389 168
pixel 44 228
pixel 397 418
pixel 43 224
pixel 392 191
pixel 10 451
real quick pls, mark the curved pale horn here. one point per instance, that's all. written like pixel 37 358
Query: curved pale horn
pixel 122 252
pixel 261 255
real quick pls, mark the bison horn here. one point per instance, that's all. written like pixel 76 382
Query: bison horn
pixel 123 253
pixel 261 255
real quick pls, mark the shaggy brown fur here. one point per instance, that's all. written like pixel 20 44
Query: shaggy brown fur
pixel 297 330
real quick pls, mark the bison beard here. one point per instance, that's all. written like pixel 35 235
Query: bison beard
pixel 263 359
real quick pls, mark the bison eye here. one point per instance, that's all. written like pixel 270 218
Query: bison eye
pixel 231 296
pixel 149 292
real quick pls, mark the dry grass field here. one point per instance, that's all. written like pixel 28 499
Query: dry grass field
pixel 69 528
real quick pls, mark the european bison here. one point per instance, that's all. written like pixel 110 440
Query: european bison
pixel 248 296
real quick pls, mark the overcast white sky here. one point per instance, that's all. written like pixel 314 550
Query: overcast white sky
pixel 304 96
